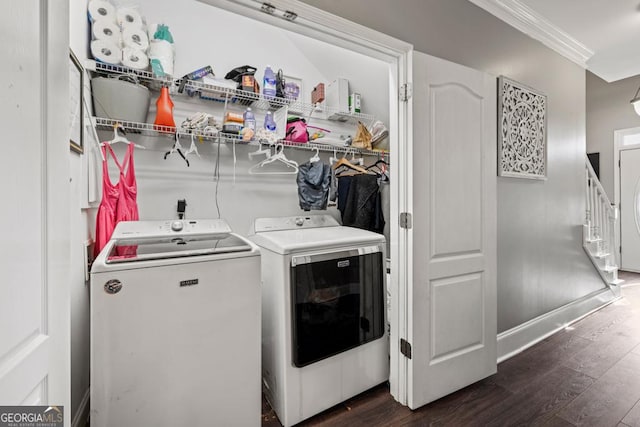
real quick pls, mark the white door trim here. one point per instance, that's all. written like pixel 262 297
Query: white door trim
pixel 618 145
pixel 55 33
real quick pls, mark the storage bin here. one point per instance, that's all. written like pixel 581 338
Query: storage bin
pixel 120 98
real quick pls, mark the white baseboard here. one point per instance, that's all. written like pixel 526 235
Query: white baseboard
pixel 523 336
pixel 82 414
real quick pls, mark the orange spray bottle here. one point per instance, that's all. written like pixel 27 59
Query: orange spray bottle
pixel 164 109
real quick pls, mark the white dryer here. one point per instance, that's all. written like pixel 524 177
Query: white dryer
pixel 324 332
pixel 175 327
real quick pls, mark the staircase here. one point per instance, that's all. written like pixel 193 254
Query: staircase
pixel 599 231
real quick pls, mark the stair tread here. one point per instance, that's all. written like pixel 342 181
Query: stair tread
pixel 594 240
pixel 611 268
pixel 601 255
pixel 617 282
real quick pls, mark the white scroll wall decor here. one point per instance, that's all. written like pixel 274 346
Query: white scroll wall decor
pixel 522 131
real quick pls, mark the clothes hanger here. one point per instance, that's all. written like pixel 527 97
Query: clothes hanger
pixel 316 157
pixel 381 164
pixel 260 151
pixel 381 168
pixel 118 138
pixel 279 157
pixel 334 158
pixel 177 147
pixel 356 161
pixel 192 148
pixel 344 162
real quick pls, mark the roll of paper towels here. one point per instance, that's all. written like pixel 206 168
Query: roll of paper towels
pixel 135 58
pixel 151 30
pixel 135 38
pixel 128 17
pixel 162 51
pixel 105 30
pixel 101 10
pixel 106 51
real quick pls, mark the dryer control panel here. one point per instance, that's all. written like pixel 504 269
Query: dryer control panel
pixel 262 225
pixel 182 227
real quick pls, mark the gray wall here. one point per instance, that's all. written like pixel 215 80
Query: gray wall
pixel 608 109
pixel 541 264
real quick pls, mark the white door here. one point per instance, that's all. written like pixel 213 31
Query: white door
pixel 34 298
pixel 452 294
pixel 630 210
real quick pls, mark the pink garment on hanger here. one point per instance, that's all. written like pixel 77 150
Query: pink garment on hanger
pixel 118 201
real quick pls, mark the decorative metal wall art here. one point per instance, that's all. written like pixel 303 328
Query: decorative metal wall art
pixel 522 131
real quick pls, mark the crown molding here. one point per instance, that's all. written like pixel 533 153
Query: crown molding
pixel 531 23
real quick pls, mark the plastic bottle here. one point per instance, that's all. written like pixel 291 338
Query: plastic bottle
pixel 269 123
pixel 164 111
pixel 269 82
pixel 249 119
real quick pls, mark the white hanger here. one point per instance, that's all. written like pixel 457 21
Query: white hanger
pixel 316 157
pixel 260 151
pixel 278 156
pixel 118 138
pixel 334 158
pixel 192 148
pixel 356 161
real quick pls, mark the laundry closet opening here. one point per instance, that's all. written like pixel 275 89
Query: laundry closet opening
pixel 227 180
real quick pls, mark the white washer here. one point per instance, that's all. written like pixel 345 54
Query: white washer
pixel 175 327
pixel 324 332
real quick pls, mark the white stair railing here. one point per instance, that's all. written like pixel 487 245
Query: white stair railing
pixel 599 229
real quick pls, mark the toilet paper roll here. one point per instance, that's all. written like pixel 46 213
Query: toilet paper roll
pixel 106 51
pixel 135 58
pixel 101 10
pixel 128 17
pixel 105 30
pixel 135 38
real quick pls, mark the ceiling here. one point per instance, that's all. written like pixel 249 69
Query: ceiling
pixel 603 36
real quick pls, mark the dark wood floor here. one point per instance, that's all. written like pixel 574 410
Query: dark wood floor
pixel 586 375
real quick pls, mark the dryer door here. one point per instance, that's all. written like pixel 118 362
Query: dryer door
pixel 338 302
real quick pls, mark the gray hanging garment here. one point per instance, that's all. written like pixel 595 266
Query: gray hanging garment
pixel 313 185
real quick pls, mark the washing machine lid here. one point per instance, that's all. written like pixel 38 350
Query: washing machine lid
pixel 177 246
pixel 308 239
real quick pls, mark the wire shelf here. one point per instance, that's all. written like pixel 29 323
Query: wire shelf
pixel 222 93
pixel 149 129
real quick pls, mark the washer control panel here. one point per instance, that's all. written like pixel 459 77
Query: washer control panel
pixel 262 225
pixel 182 227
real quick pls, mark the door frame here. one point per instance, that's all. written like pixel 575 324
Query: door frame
pixel 618 146
pixel 324 26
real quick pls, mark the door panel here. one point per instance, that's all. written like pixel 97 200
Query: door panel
pixel 452 298
pixel 23 343
pixel 34 315
pixel 459 331
pixel 457 165
pixel 630 210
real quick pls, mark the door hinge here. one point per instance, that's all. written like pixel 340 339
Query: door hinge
pixel 406 91
pixel 405 220
pixel 405 348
